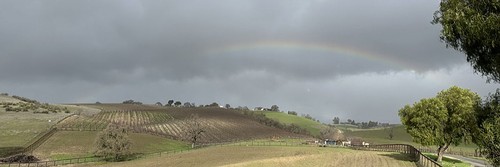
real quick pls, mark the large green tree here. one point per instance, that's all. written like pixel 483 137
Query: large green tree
pixel 113 143
pixel 473 27
pixel 487 132
pixel 443 120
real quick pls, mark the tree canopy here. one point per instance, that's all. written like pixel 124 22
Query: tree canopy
pixel 473 27
pixel 113 143
pixel 487 132
pixel 442 120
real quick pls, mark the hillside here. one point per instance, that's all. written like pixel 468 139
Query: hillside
pixel 24 120
pixel 221 125
pixel 312 126
pixel 381 135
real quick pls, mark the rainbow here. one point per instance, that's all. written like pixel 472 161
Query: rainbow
pixel 330 49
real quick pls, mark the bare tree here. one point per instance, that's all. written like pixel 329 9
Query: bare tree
pixel 194 129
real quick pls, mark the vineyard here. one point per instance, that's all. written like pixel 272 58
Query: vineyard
pixel 221 125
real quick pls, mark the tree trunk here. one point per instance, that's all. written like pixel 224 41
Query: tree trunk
pixel 440 152
pixel 192 145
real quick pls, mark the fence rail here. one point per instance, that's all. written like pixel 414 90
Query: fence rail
pixel 414 153
pixel 84 159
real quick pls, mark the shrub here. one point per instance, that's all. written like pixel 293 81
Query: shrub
pixel 113 143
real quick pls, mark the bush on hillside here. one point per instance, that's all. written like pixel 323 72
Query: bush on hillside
pixel 113 143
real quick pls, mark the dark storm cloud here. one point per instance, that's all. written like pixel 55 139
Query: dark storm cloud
pixel 168 39
pixel 86 51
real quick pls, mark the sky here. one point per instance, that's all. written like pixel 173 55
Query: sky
pixel 361 60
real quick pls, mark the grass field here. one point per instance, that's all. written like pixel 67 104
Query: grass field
pixel 381 136
pixel 69 144
pixel 271 156
pixel 312 126
pixel 17 129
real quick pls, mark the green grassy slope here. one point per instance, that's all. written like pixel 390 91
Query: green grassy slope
pixel 381 136
pixel 310 125
pixel 68 144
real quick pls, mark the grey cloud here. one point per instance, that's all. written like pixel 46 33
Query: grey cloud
pixel 169 37
pixel 86 51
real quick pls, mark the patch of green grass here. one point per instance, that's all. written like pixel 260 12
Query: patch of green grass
pixel 268 142
pixel 67 144
pixel 381 136
pixel 20 133
pixel 449 162
pixel 145 143
pixel 312 126
pixel 18 129
pixel 71 144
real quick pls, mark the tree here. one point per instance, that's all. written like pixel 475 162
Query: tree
pixel 170 102
pixel 487 131
pixel 228 106
pixel 131 102
pixel 187 105
pixel 442 120
pixel 113 142
pixel 292 112
pixel 177 103
pixel 194 129
pixel 159 104
pixel 331 133
pixel 275 108
pixel 336 120
pixel 473 27
pixel 214 104
pixel 391 133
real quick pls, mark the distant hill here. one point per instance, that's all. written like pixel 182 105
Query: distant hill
pixel 8 99
pixel 312 126
pixel 381 135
